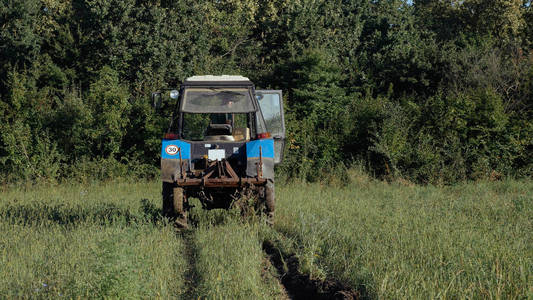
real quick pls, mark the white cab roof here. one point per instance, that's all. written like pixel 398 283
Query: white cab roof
pixel 217 78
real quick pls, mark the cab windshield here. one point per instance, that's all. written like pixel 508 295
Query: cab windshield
pixel 217 100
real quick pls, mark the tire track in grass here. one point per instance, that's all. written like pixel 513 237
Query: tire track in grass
pixel 302 286
pixel 291 282
pixel 192 276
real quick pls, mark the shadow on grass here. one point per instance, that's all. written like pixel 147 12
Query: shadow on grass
pixel 214 217
pixel 199 216
pixel 103 214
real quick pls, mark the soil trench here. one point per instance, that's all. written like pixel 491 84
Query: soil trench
pixel 301 286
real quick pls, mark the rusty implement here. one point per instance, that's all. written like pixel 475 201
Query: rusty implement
pixel 181 163
pixel 260 164
pixel 219 173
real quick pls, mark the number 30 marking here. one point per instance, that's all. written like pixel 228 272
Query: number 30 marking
pixel 171 149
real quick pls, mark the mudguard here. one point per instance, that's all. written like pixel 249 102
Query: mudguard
pixel 171 150
pixel 257 151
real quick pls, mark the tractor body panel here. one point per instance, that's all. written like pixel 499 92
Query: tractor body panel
pixel 190 159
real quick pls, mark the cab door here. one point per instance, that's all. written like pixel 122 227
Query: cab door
pixel 271 105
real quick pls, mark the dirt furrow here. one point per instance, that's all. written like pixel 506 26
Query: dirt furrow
pixel 301 286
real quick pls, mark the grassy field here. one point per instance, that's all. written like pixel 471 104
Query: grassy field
pixel 396 241
pixel 383 240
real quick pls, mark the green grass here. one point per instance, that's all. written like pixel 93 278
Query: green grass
pixel 89 242
pixel 394 241
pixel 225 251
pixel 107 240
pixel 89 261
pixel 232 263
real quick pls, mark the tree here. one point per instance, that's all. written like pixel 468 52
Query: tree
pixel 503 19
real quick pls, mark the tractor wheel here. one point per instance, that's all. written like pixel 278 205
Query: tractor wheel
pixel 174 206
pixel 270 201
pixel 180 211
pixel 168 199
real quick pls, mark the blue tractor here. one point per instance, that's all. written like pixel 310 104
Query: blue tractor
pixel 222 143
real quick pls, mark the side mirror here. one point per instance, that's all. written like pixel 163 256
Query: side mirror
pixel 174 94
pixel 160 101
pixel 156 100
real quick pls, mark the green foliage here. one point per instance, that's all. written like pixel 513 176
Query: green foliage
pixel 110 107
pixel 436 91
pixel 504 19
pixel 29 152
pixel 318 118
pixel 456 137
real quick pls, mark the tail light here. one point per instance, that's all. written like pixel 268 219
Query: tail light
pixel 263 135
pixel 171 136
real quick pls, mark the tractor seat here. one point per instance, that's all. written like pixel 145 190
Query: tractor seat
pixel 219 133
pixel 218 129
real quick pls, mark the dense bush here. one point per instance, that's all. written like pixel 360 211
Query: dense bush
pixel 432 91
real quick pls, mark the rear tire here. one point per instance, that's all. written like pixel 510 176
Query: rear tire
pixel 270 201
pixel 174 204
pixel 179 207
pixel 168 198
